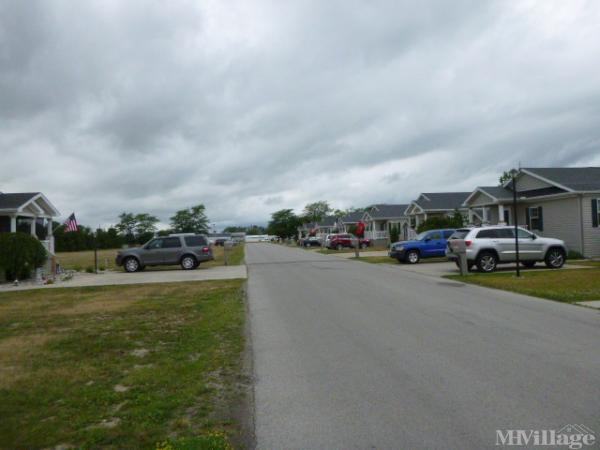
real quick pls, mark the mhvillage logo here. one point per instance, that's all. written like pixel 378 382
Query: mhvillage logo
pixel 570 436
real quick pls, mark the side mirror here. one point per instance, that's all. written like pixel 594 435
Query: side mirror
pixel 533 237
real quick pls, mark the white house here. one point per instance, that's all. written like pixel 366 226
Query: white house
pixel 561 202
pixel 380 219
pixel 436 204
pixel 29 212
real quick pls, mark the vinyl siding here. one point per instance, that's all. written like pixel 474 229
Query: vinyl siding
pixel 528 183
pixel 480 199
pixel 591 235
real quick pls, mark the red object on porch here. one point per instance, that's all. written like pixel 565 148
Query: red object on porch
pixel 360 229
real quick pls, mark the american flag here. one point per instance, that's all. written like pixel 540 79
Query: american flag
pixel 71 223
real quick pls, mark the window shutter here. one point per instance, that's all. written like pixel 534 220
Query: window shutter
pixel 540 219
pixel 595 212
pixel 527 219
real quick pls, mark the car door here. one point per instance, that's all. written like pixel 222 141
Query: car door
pixel 505 244
pixel 434 244
pixel 171 251
pixel 152 252
pixel 529 246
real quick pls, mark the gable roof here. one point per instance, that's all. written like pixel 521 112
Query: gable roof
pixel 15 201
pixel 572 178
pixel 431 201
pixel 353 217
pixel 327 221
pixel 386 211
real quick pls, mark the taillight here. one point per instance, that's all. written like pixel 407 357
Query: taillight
pixel 205 249
pixel 468 243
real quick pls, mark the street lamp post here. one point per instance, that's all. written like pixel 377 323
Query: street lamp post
pixel 513 174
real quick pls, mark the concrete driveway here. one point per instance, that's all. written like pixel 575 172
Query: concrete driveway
pixel 350 355
pixel 146 276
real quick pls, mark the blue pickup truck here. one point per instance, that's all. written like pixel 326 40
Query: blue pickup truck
pixel 427 244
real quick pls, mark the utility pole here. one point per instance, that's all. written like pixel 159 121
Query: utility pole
pixel 514 173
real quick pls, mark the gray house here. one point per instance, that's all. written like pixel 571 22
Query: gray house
pixel 554 202
pixel 328 225
pixel 28 212
pixel 345 222
pixel 380 218
pixel 436 204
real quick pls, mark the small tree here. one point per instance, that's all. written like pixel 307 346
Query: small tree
pixel 20 254
pixel 191 220
pixel 284 223
pixel 394 233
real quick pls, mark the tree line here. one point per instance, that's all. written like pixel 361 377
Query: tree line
pixel 132 229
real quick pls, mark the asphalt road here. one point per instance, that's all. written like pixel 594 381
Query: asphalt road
pixel 349 355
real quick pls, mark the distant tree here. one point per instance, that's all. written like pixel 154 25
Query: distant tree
pixel 234 230
pixel 314 212
pixel 127 226
pixel 504 177
pixel 145 227
pixel 256 229
pixel 190 220
pixel 284 223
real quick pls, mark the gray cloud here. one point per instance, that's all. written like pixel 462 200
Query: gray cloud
pixel 253 106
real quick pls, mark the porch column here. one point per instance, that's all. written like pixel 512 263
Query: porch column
pixel 417 221
pixel 50 234
pixel 501 215
pixel 471 217
pixel 485 218
pixel 13 224
pixel 32 228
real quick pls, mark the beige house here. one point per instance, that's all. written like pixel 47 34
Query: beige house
pixel 29 212
pixel 436 204
pixel 379 220
pixel 556 202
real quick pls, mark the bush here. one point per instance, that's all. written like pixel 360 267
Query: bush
pixel 434 223
pixel 89 269
pixel 394 233
pixel 573 254
pixel 20 254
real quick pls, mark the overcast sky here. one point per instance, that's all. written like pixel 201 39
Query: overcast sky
pixel 253 106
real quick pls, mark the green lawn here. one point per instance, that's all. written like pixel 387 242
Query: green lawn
pixel 564 285
pixel 122 366
pixel 106 259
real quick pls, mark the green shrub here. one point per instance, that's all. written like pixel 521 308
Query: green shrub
pixel 573 254
pixel 394 233
pixel 434 223
pixel 89 269
pixel 20 254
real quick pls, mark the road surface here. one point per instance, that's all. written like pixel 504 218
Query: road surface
pixel 349 355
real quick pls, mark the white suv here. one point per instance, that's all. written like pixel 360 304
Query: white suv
pixel 492 245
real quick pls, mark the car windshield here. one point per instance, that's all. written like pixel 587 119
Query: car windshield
pixel 422 236
pixel 459 234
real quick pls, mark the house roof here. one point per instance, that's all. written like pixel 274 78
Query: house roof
pixel 430 201
pixel 16 200
pixel 498 192
pixel 573 178
pixel 386 211
pixel 327 221
pixel 353 217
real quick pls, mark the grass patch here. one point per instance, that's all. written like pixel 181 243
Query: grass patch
pixel 565 285
pixel 121 366
pixel 80 261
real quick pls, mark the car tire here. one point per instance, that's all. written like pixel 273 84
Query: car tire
pixel 555 258
pixel 412 257
pixel 188 262
pixel 529 264
pixel 339 247
pixel 487 262
pixel 131 264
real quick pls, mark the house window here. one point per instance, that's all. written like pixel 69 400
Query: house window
pixel 534 218
pixel 413 221
pixel 595 212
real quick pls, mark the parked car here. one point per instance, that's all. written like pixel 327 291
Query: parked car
pixel 492 245
pixel 187 250
pixel 340 241
pixel 311 241
pixel 427 244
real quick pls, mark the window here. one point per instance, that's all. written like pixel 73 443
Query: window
pixel 172 242
pixel 155 244
pixel 459 234
pixel 534 218
pixel 447 234
pixel 506 216
pixel 595 212
pixel 435 235
pixel 489 233
pixel 506 233
pixel 195 241
pixel 524 234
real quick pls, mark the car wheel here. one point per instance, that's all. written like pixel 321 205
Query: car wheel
pixel 339 247
pixel 555 258
pixel 413 257
pixel 131 265
pixel 529 264
pixel 188 262
pixel 486 262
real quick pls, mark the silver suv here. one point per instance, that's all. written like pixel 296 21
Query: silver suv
pixel 189 250
pixel 492 245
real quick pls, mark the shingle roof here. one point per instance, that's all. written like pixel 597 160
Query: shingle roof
pixel 385 211
pixel 328 221
pixel 15 201
pixel 442 200
pixel 576 178
pixel 352 217
pixel 499 192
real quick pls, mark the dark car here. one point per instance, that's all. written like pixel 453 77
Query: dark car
pixel 427 244
pixel 188 250
pixel 340 241
pixel 311 241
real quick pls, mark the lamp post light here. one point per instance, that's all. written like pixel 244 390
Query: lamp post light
pixel 513 174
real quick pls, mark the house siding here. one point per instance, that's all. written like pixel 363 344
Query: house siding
pixel 480 199
pixel 591 235
pixel 529 183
